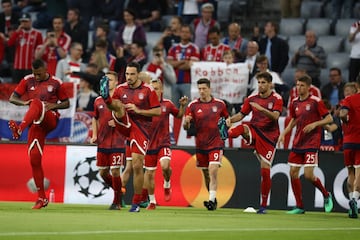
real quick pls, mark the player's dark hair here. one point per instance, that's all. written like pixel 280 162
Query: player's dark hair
pixel 6 1
pixel 264 75
pixel 135 65
pixel 306 79
pixel 38 63
pixel 203 81
pixel 214 30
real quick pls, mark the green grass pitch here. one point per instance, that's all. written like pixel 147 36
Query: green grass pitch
pixel 70 221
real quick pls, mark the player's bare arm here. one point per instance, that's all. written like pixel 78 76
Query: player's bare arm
pixel 187 121
pixel 326 120
pixel 145 112
pixel 235 118
pixel 289 127
pixel 183 103
pixel 14 99
pixel 344 115
pixel 273 115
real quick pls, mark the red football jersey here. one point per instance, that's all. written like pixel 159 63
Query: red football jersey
pixel 160 136
pixel 206 116
pixel 50 90
pixel 25 43
pixel 259 121
pixel 144 97
pixel 109 139
pixel 351 129
pixel 214 53
pixel 305 112
pixel 315 91
pixel 184 52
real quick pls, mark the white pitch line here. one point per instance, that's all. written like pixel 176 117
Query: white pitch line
pixel 174 230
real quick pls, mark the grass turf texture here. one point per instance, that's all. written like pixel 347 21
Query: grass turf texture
pixel 68 221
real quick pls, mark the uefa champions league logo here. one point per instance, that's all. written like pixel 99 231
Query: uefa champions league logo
pixel 87 179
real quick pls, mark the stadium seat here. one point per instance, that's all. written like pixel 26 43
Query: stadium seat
pixel 311 9
pixel 223 13
pixel 90 39
pixel 321 26
pixel 347 45
pixel 295 42
pixel 342 27
pixel 324 77
pixel 291 26
pixel 331 44
pixel 339 60
pixel 288 76
pixel 356 10
pixel 152 38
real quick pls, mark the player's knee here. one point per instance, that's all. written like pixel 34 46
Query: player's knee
pixel 115 172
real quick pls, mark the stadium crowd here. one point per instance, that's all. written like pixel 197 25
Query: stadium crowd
pixel 96 37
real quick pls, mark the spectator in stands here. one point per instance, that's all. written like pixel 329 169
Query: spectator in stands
pixel 129 31
pixel 214 51
pixel 188 10
pixel 9 21
pixel 86 95
pixel 148 13
pixel 98 57
pixel 314 91
pixel 76 28
pixel 72 63
pixel 333 92
pixel 331 134
pixel 87 8
pixel 275 48
pixel 102 45
pixel 56 45
pixel 137 53
pixel 262 64
pixel 290 8
pixel 310 57
pixel 342 6
pixel 354 38
pixel 103 33
pixel 110 13
pixel 250 59
pixel 256 35
pixel 171 34
pixel 159 69
pixel 8 17
pixel 26 40
pixel 202 24
pixel 236 42
pixel 181 57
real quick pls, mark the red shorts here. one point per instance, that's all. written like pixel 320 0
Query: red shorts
pixel 212 157
pixel 352 157
pixel 307 159
pixel 123 124
pixel 263 149
pixel 112 160
pixel 151 160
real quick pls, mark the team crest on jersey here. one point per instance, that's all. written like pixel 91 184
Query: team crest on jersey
pixel 307 107
pixel 141 96
pixel 270 105
pixel 214 108
pixel 50 88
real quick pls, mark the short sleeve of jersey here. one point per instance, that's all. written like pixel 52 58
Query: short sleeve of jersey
pixel 246 107
pixel 322 109
pixel 292 110
pixel 21 87
pixel 173 109
pixel 62 93
pixel 154 101
pixel 96 111
pixel 278 104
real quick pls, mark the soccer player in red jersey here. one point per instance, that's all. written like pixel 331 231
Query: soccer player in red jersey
pixel 45 94
pixel 159 148
pixel 111 143
pixel 263 131
pixel 204 113
pixel 309 114
pixel 141 104
pixel 350 115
